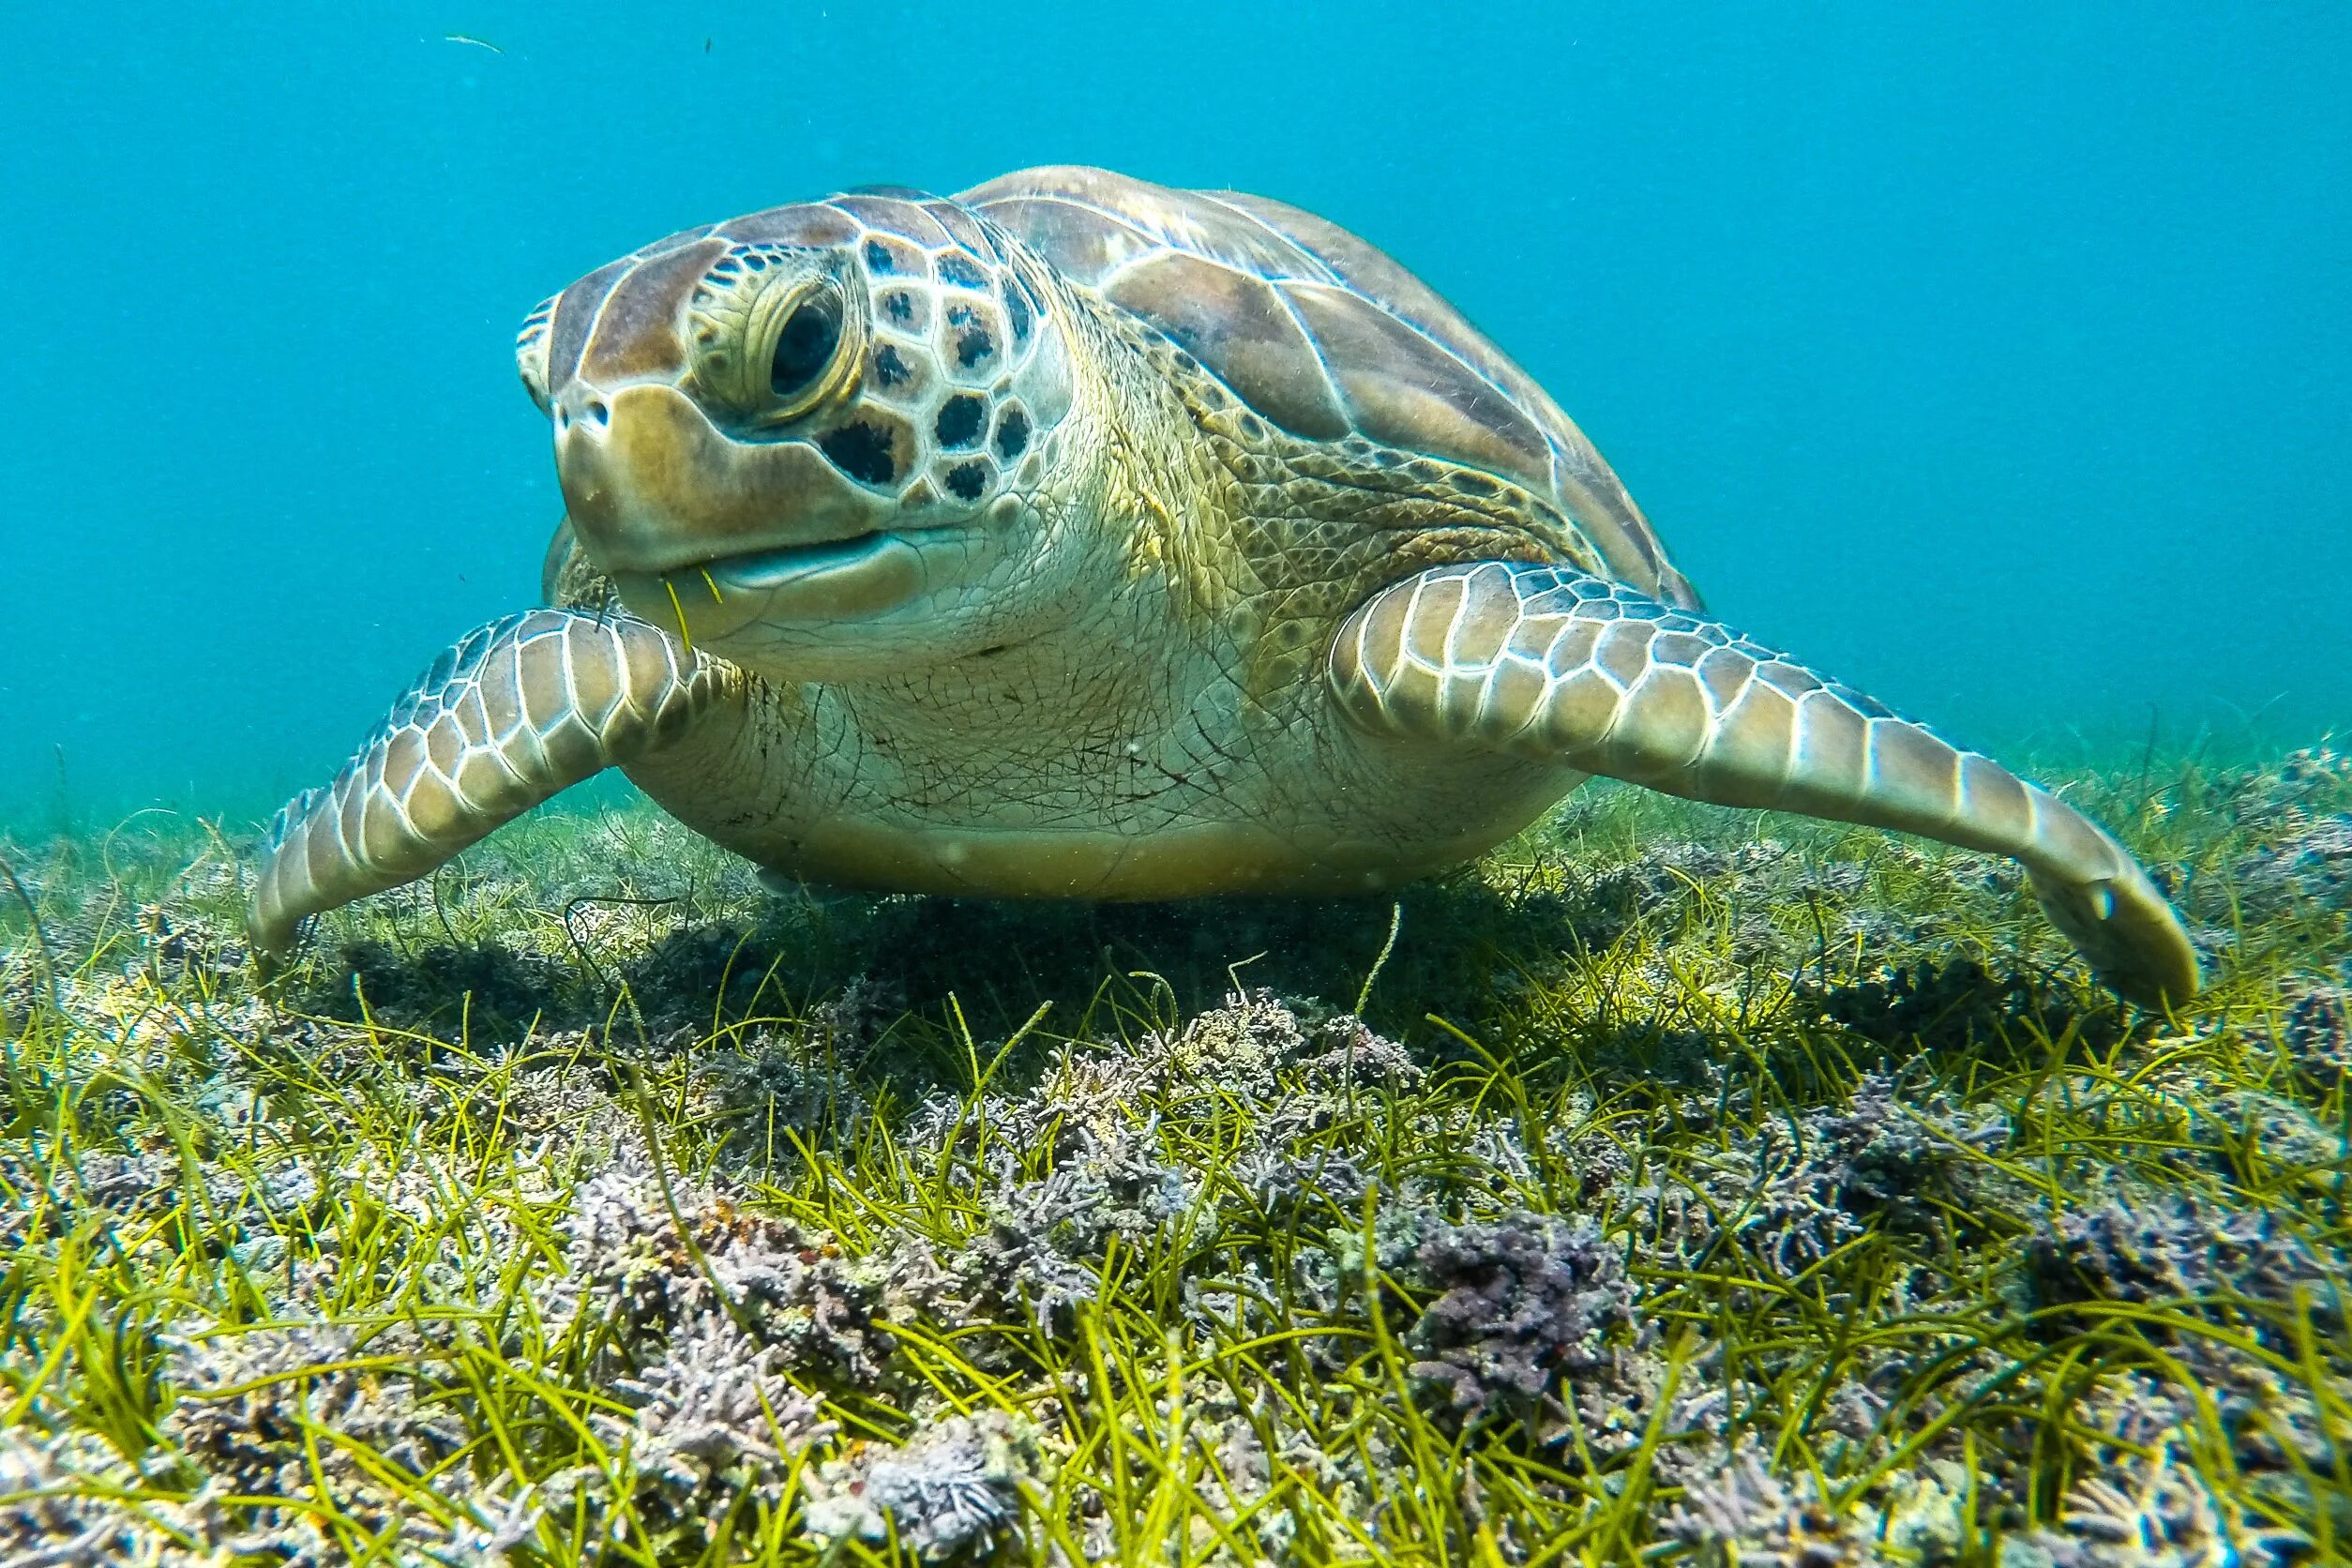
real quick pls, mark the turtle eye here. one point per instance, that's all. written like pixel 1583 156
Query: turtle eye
pixel 797 345
pixel 805 345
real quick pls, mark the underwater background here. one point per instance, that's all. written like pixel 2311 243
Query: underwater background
pixel 1995 359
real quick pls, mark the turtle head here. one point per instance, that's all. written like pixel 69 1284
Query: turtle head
pixel 813 437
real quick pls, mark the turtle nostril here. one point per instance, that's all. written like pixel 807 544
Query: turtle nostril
pixel 580 406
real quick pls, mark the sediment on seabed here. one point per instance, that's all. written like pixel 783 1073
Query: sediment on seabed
pixel 1683 1185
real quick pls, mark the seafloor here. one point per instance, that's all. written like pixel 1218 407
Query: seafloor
pixel 1683 1185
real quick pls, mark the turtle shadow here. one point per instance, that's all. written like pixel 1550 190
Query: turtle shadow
pixel 1105 968
pixel 1465 952
pixel 478 991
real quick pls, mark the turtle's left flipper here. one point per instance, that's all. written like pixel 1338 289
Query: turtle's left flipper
pixel 519 709
pixel 1551 664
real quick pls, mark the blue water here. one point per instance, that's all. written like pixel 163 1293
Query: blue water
pixel 1998 359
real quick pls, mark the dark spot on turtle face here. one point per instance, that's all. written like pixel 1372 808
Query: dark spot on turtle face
pixel 968 479
pixel 862 450
pixel 898 306
pixel 960 270
pixel 1253 426
pixel 887 258
pixel 961 315
pixel 1472 484
pixel 1012 434
pixel 973 345
pixel 960 419
pixel 1016 312
pixel 889 369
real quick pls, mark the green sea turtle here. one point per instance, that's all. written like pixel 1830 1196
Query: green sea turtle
pixel 1078 537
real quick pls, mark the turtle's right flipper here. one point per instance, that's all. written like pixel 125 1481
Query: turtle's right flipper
pixel 519 709
pixel 1551 664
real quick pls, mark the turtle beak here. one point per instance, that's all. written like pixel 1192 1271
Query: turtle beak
pixel 710 534
pixel 652 484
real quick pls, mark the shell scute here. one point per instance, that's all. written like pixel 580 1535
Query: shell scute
pixel 1404 390
pixel 1322 334
pixel 1084 245
pixel 1234 322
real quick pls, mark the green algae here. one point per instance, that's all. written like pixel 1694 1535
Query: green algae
pixel 1694 1186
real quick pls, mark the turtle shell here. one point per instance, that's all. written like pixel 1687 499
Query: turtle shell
pixel 1324 335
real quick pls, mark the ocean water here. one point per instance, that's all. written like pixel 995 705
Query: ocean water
pixel 1998 359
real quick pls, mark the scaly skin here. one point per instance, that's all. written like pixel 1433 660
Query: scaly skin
pixel 523 707
pixel 895 559
pixel 1550 662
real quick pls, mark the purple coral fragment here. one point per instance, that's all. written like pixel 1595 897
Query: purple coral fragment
pixel 1523 1299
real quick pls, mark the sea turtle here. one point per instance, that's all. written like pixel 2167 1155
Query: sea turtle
pixel 1080 536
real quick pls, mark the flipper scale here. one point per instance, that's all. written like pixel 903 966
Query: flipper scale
pixel 494 726
pixel 1551 664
